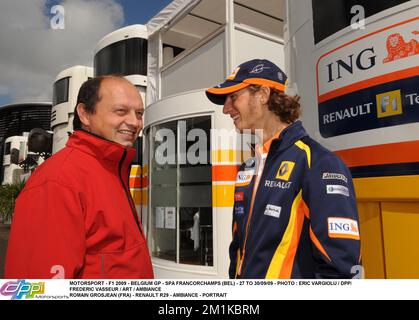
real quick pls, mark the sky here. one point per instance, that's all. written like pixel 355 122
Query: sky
pixel 32 53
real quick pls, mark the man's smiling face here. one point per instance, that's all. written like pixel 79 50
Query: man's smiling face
pixel 118 114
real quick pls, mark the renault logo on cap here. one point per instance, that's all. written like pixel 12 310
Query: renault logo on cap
pixel 259 68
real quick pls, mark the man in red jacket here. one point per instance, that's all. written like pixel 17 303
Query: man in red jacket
pixel 75 217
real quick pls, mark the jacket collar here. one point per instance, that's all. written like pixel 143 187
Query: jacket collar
pixel 99 147
pixel 288 137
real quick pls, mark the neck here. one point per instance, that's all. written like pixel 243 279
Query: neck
pixel 272 127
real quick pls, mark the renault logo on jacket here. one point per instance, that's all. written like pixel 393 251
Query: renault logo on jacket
pixel 285 170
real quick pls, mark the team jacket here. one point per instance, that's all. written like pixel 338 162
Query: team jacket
pixel 76 218
pixel 302 220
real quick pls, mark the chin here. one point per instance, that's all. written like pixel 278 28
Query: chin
pixel 239 127
pixel 127 144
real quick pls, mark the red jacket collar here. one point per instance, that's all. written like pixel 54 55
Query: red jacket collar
pixel 99 147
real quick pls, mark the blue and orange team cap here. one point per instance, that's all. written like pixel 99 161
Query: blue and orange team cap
pixel 256 71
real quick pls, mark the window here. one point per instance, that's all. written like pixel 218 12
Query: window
pixel 7 148
pixel 330 16
pixel 163 193
pixel 125 57
pixel 181 192
pixel 60 91
pixel 138 145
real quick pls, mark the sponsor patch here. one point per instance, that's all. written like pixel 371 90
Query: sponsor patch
pixel 334 176
pixel 233 74
pixel 277 184
pixel 250 163
pixel 239 196
pixel 343 228
pixel 239 209
pixel 273 211
pixel 285 170
pixel 244 177
pixel 337 189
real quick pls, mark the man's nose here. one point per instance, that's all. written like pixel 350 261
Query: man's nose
pixel 134 121
pixel 227 106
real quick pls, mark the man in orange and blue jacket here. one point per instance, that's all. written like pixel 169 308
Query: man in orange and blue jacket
pixel 295 214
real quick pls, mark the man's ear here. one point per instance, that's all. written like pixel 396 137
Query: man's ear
pixel 84 116
pixel 265 93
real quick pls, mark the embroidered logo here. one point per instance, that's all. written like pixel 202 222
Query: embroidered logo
pixel 285 170
pixel 244 177
pixel 343 228
pixel 233 74
pixel 334 176
pixel 259 68
pixel 273 211
pixel 239 196
pixel 337 189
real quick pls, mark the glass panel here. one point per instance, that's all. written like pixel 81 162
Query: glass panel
pixel 60 91
pixel 138 145
pixel 330 16
pixel 125 57
pixel 195 193
pixel 181 191
pixel 196 236
pixel 22 153
pixel 7 148
pixel 163 191
pixel 136 57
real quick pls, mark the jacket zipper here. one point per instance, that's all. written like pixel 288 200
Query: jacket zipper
pixel 128 195
pixel 255 189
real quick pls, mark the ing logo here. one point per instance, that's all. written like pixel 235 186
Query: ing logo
pixel 285 170
pixel 389 104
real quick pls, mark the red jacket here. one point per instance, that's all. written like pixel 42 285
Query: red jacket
pixel 76 215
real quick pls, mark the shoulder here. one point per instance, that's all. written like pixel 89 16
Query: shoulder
pixel 63 168
pixel 320 155
pixel 326 166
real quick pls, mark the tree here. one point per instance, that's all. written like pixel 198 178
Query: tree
pixel 8 194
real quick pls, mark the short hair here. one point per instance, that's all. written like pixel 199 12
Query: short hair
pixel 286 107
pixel 89 96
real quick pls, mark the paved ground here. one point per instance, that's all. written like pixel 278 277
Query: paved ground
pixel 4 236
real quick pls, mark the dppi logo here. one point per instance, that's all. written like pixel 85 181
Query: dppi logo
pixel 18 289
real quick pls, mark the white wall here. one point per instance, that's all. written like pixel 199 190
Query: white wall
pixel 201 69
pixel 249 46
